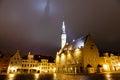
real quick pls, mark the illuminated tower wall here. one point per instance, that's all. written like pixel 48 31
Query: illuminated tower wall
pixel 63 35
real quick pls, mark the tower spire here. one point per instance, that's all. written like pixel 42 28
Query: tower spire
pixel 63 28
pixel 63 35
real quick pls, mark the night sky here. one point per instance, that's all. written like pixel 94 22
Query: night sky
pixel 35 25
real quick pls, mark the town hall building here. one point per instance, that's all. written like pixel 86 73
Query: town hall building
pixel 78 55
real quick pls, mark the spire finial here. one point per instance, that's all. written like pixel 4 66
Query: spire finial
pixel 63 27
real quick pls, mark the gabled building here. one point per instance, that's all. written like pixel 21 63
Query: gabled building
pixel 115 62
pixel 4 63
pixel 109 63
pixel 46 64
pixel 29 64
pixel 77 56
pixel 15 63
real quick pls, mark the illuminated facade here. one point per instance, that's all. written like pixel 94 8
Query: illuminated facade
pixel 46 67
pixel 29 64
pixel 4 63
pixel 106 63
pixel 109 63
pixel 15 63
pixel 77 56
pixel 115 62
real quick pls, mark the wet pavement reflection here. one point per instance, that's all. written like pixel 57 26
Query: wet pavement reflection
pixel 105 76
